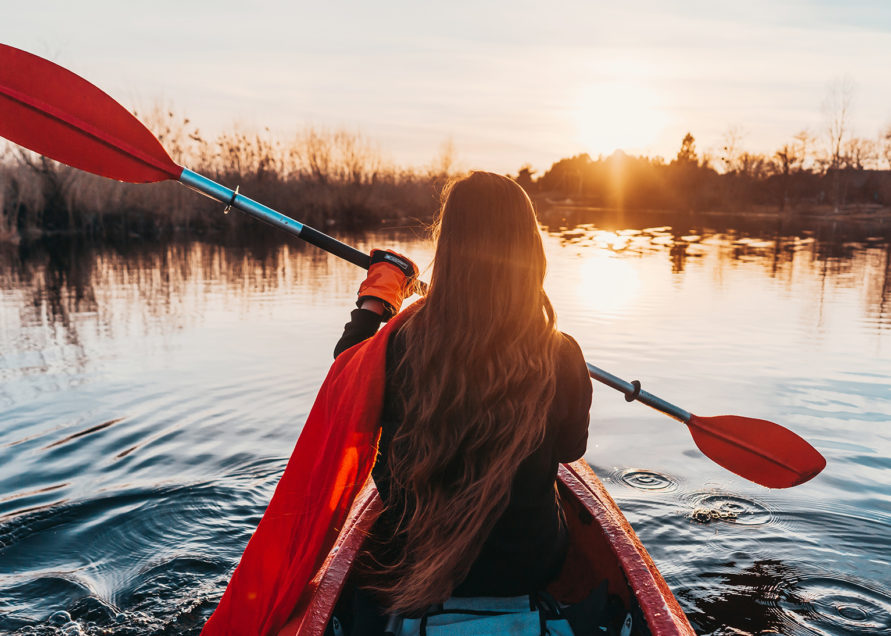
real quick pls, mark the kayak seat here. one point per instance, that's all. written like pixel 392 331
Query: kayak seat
pixel 357 614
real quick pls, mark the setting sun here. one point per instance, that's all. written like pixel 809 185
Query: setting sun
pixel 617 115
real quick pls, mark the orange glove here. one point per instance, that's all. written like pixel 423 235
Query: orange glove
pixel 390 279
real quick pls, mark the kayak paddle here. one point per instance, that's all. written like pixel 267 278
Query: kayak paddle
pixel 52 111
pixel 759 450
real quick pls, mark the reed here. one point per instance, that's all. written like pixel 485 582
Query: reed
pixel 326 178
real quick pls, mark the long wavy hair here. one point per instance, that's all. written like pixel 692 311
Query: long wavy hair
pixel 479 371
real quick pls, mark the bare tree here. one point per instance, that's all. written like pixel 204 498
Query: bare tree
pixel 753 165
pixel 731 149
pixel 837 110
pixel 804 144
pixel 860 154
pixel 787 158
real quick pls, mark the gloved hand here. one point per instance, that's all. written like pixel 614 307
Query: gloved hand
pixel 390 280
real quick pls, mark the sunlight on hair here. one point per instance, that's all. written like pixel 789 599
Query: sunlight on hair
pixel 617 115
pixel 607 284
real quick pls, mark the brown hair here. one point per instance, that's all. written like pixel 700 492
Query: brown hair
pixel 480 377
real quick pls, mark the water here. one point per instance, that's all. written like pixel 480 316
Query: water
pixel 150 397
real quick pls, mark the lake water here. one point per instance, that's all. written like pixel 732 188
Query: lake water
pixel 150 396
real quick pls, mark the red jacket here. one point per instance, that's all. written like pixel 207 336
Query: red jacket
pixel 330 463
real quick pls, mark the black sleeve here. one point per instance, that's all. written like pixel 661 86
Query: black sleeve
pixel 574 391
pixel 362 325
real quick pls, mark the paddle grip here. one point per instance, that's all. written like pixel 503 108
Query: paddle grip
pixel 332 245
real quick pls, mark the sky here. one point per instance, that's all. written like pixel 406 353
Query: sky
pixel 507 83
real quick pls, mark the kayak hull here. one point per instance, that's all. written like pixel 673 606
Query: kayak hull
pixel 603 546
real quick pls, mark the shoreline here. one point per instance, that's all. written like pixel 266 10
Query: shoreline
pixel 550 212
pixel 855 212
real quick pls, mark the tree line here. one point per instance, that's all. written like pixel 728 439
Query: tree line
pixel 831 171
pixel 783 182
pixel 336 178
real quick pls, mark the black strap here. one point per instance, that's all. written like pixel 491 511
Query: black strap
pixel 383 256
pixel 633 395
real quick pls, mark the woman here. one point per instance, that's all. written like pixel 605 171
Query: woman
pixel 484 398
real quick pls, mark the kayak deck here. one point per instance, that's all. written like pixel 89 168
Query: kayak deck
pixel 603 545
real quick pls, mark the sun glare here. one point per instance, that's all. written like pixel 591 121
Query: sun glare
pixel 618 115
pixel 607 284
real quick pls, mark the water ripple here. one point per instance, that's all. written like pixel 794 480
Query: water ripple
pixel 143 432
pixel 86 431
pixel 833 606
pixel 729 508
pixel 642 479
pixel 139 556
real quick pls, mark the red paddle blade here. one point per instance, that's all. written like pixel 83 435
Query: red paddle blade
pixel 758 450
pixel 56 113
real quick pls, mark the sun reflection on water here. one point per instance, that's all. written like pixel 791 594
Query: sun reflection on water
pixel 607 284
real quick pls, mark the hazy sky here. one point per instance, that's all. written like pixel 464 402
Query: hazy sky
pixel 507 82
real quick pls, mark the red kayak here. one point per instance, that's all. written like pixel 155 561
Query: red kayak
pixel 603 546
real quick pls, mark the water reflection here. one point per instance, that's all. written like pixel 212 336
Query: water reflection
pixel 62 295
pixel 855 255
pixel 151 393
pixel 769 596
pixel 67 287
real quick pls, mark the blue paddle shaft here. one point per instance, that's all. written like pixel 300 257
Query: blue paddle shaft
pixel 638 394
pixel 259 211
